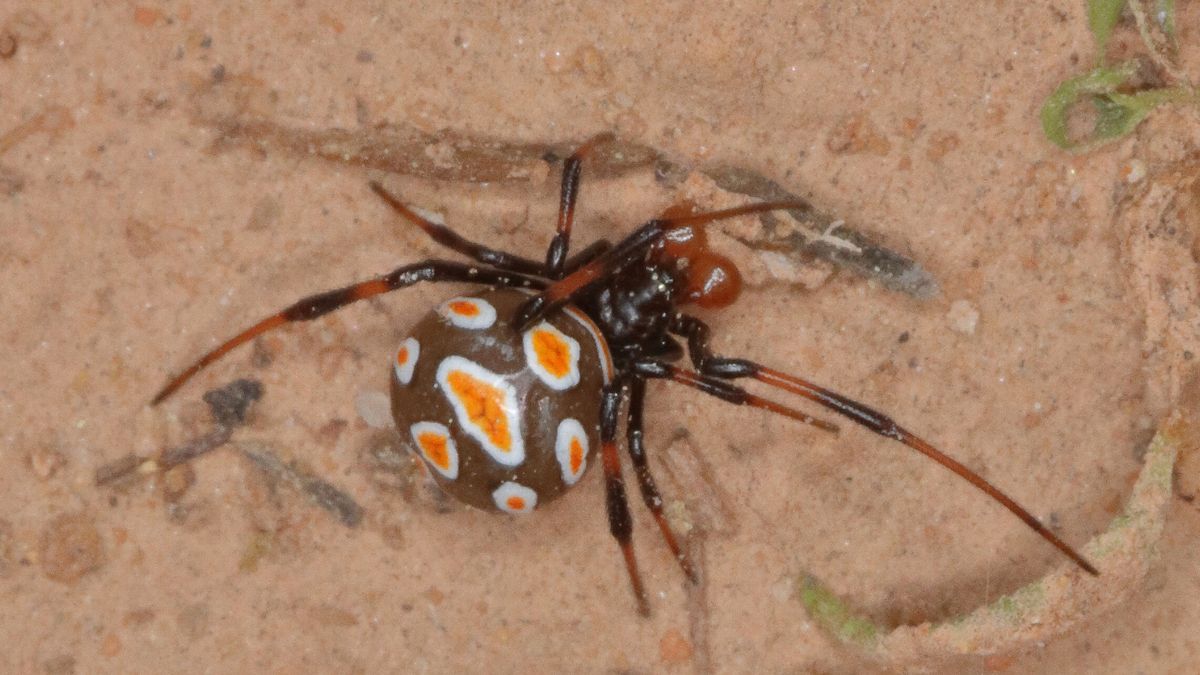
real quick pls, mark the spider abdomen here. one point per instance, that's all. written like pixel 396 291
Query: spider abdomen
pixel 505 421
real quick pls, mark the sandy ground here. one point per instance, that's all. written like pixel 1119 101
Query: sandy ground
pixel 129 244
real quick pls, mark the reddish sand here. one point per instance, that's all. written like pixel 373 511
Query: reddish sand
pixel 129 244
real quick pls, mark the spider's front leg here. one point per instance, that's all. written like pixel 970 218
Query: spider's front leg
pixel 557 263
pixel 712 366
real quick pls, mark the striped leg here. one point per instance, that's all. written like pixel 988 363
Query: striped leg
pixel 456 242
pixel 620 522
pixel 556 254
pixel 712 366
pixel 320 304
pixel 650 494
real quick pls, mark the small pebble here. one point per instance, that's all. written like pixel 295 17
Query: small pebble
pixel 70 548
pixel 45 462
pixel 784 589
pixel 111 645
pixel 674 648
pixel 375 408
pixel 230 403
pixel 8 45
pixel 146 17
pixel 780 266
pixel 963 317
pixel 856 134
pixel 942 143
pixel 176 481
pixel 1133 171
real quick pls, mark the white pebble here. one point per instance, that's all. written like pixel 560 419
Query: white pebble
pixel 963 317
pixel 1134 170
pixel 375 408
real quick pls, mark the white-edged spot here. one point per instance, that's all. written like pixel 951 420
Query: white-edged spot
pixel 406 359
pixel 571 449
pixel 470 313
pixel 486 406
pixel 552 355
pixel 514 498
pixel 606 362
pixel 436 447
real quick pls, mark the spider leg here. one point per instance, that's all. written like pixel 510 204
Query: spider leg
pixel 556 254
pixel 626 252
pixel 650 494
pixel 588 254
pixel 456 242
pixel 620 522
pixel 320 304
pixel 710 365
pixel 730 393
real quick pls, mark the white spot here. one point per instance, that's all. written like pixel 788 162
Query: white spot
pixel 478 314
pixel 410 351
pixel 510 493
pixel 568 430
pixel 557 382
pixel 440 430
pixel 606 363
pixel 509 408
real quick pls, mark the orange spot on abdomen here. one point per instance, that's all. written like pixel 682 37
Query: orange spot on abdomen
pixel 576 455
pixel 484 406
pixel 434 447
pixel 464 308
pixel 553 354
pixel 515 503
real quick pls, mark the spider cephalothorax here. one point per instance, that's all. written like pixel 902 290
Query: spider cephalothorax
pixel 508 394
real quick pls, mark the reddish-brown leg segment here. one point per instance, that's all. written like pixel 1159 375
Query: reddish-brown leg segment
pixel 713 366
pixel 556 254
pixel 726 392
pixel 457 243
pixel 620 522
pixel 650 494
pixel 320 304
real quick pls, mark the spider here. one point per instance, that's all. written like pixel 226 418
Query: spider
pixel 507 393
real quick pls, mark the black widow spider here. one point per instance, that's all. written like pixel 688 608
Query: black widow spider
pixel 512 432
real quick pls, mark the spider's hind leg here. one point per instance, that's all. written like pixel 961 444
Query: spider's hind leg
pixel 321 304
pixel 452 240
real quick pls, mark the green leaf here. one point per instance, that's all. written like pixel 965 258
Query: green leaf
pixel 1102 18
pixel 1121 113
pixel 1056 108
pixel 1117 113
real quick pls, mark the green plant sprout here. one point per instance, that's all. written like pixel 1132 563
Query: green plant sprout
pixel 1119 107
